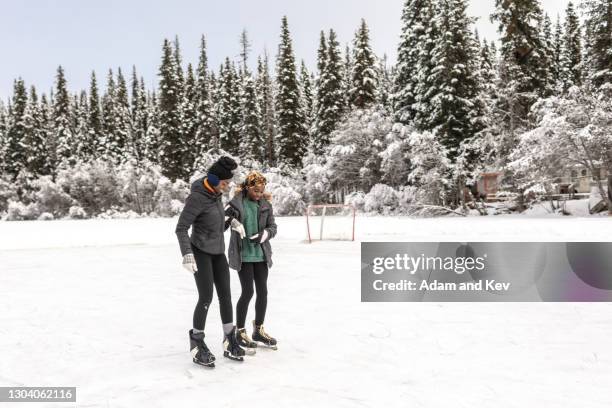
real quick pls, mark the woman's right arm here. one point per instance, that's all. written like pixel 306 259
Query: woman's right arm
pixel 188 215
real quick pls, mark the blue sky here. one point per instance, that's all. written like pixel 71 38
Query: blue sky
pixel 84 35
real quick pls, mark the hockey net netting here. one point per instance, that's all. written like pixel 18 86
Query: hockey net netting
pixel 330 222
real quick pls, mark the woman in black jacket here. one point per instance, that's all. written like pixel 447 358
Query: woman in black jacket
pixel 251 256
pixel 204 256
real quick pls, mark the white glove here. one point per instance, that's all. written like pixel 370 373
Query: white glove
pixel 260 239
pixel 238 227
pixel 189 263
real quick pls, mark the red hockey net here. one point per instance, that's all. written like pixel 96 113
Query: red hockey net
pixel 330 222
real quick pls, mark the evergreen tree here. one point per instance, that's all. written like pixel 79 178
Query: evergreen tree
pixel 251 145
pixel 456 112
pixel 521 58
pixel 230 115
pixel 34 137
pixel 572 49
pixel 291 138
pixel 170 139
pixel 3 140
pixel 16 149
pixel 319 89
pixel 416 17
pixel 46 120
pixel 557 66
pixel 215 92
pixel 61 120
pixel 364 77
pixel 93 143
pixel 385 84
pixel 204 120
pixel 138 116
pixel 330 98
pixel 598 27
pixel 265 92
pixel 120 148
pixel 347 72
pixel 189 121
pixel 152 143
pixel 80 128
pixel 548 56
pixel 306 91
pixel 108 114
pixel 424 88
pixel 488 71
pixel 178 66
pixel 245 47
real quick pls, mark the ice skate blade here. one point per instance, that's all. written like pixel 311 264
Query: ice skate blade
pixel 209 365
pixel 228 355
pixel 266 346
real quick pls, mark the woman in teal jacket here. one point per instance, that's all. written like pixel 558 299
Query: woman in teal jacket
pixel 251 256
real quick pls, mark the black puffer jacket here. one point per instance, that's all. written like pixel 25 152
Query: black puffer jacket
pixel 203 212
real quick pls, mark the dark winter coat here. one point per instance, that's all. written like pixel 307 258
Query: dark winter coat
pixel 203 212
pixel 265 221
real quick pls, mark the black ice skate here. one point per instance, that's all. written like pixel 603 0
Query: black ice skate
pixel 199 351
pixel 260 336
pixel 249 346
pixel 231 348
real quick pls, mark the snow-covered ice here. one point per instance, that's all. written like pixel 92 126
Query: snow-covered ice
pixel 104 305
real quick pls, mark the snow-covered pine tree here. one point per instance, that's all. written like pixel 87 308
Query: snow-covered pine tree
pixel 416 16
pixel 319 90
pixel 251 145
pixel 178 65
pixel 572 49
pixel 265 92
pixel 93 142
pixel 521 57
pixel 189 122
pixel 80 113
pixel 456 113
pixel 291 139
pixel 347 76
pixel 170 139
pixel 548 56
pixel 35 138
pixel 64 138
pixel 306 91
pixel 230 114
pixel 330 99
pixel 364 76
pixel 215 110
pixel 385 84
pixel 139 116
pixel 205 120
pixel 46 120
pixel 109 124
pixel 3 126
pixel 16 149
pixel 488 71
pixel 245 48
pixel 152 144
pixel 118 143
pixel 424 89
pixel 557 66
pixel 598 28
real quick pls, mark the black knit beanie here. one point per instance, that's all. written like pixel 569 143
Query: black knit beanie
pixel 221 170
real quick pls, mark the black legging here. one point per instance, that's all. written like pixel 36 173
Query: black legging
pixel 249 272
pixel 211 269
